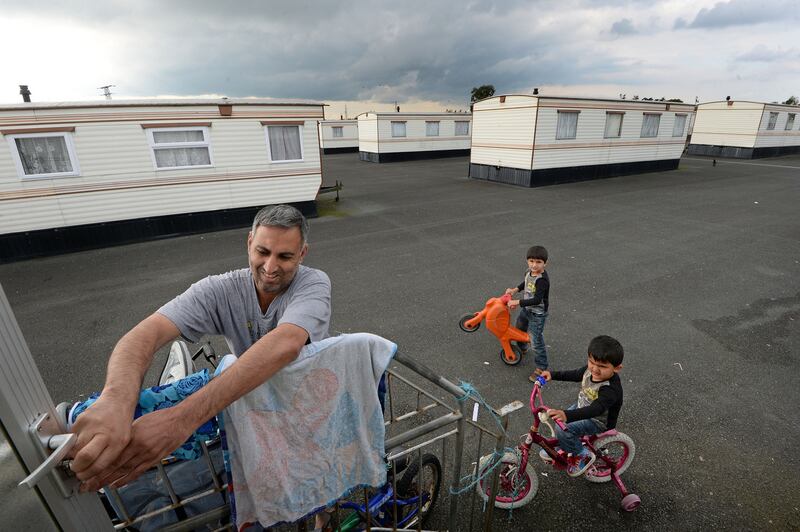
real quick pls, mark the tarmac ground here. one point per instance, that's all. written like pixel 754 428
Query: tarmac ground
pixel 695 271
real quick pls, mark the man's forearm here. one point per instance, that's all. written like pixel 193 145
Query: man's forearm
pixel 257 365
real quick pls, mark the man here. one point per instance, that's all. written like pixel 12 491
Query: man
pixel 266 312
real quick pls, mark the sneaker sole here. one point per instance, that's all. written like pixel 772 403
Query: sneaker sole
pixel 584 470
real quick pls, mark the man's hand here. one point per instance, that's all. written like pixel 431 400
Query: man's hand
pixel 104 431
pixel 154 436
pixel 513 303
pixel 557 414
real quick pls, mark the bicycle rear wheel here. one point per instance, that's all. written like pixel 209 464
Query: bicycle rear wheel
pixel 423 479
pixel 619 449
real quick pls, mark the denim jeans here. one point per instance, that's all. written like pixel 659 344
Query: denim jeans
pixel 534 323
pixel 570 440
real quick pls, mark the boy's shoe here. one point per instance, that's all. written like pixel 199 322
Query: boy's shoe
pixel 546 458
pixel 581 463
pixel 536 373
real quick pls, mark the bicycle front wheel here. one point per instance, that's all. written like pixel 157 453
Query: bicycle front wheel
pixel 514 488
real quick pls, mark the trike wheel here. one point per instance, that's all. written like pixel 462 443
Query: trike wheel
pixel 517 351
pixel 423 482
pixel 618 448
pixel 513 489
pixel 462 323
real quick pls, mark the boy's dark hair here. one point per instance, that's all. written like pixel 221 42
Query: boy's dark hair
pixel 606 349
pixel 537 252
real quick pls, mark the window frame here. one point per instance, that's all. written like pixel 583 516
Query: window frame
pixel 790 120
pixel 658 127
pixel 269 150
pixel 771 124
pixel 206 143
pixel 337 129
pixel 68 141
pixel 438 127
pixel 405 128
pixel 577 114
pixel 605 127
pixel 683 129
pixel 455 126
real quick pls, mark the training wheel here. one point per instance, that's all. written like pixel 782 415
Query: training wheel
pixel 462 323
pixel 518 356
pixel 631 502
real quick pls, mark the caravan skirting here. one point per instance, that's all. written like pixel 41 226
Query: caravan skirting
pixel 741 153
pixel 348 149
pixel 46 242
pixel 554 176
pixel 372 157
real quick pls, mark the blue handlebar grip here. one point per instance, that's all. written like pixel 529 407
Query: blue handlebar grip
pixel 541 380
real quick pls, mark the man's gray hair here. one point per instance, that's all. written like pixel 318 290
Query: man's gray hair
pixel 281 216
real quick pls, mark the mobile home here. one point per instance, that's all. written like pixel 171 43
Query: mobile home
pixel 81 175
pixel 542 140
pixel 386 137
pixel 745 129
pixel 337 136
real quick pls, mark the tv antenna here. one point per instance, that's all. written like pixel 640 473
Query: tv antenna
pixel 107 91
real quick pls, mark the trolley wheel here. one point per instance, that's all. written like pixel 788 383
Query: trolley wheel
pixel 631 502
pixel 517 351
pixel 463 323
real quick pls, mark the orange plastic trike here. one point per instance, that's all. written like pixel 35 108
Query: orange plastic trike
pixel 498 321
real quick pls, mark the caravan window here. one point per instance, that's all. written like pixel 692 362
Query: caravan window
pixel 338 132
pixel 650 125
pixel 462 128
pixel 398 129
pixel 613 125
pixel 567 127
pixel 284 143
pixel 174 148
pixel 44 154
pixel 789 122
pixel 431 129
pixel 773 118
pixel 679 125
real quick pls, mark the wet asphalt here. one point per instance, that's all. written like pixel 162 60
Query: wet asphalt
pixel 696 272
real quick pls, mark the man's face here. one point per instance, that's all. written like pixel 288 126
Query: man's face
pixel 274 254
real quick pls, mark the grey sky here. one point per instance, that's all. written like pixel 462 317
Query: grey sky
pixel 416 50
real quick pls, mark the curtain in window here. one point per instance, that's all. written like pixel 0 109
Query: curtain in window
pixel 165 137
pixel 789 122
pixel 613 125
pixel 567 127
pixel 44 155
pixel 284 143
pixel 462 128
pixel 650 125
pixel 338 132
pixel 773 118
pixel 431 129
pixel 679 126
pixel 172 157
pixel 398 129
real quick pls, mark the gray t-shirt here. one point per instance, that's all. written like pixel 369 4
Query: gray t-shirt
pixel 227 305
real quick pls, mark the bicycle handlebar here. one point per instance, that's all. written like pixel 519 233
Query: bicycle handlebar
pixel 541 381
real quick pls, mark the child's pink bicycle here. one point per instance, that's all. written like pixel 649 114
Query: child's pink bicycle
pixel 517 482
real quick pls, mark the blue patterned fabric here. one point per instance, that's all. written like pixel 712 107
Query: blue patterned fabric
pixel 159 397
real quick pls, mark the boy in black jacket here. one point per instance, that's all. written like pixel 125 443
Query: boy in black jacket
pixel 599 401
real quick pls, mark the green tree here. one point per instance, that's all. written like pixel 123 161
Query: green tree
pixel 792 101
pixel 479 93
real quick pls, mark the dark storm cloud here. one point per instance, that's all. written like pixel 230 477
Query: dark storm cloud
pixel 333 50
pixel 743 13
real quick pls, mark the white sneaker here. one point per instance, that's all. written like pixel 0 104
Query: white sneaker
pixel 179 363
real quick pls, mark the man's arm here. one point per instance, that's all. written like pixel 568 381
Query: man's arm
pixel 158 433
pixel 105 429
